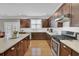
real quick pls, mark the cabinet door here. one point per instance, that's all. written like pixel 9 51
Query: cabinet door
pixel 25 45
pixel 64 50
pixel 11 52
pixel 20 49
pixel 49 40
pixel 25 23
pixel 45 23
pixel 66 8
pixel 39 36
pixel 75 53
pixel 59 24
pixel 75 15
pixel 58 13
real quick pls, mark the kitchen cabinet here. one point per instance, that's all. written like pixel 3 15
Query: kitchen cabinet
pixel 71 10
pixel 49 40
pixel 75 15
pixel 59 24
pixel 27 43
pixel 39 35
pixel 25 23
pixel 66 8
pixel 20 48
pixel 74 53
pixel 11 51
pixel 45 23
pixel 23 46
pixel 64 50
pixel 58 13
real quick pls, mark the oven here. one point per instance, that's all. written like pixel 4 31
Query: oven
pixel 66 35
pixel 55 47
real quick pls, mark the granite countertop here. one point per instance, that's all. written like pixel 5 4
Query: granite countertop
pixel 73 44
pixel 5 44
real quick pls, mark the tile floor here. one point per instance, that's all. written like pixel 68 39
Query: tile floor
pixel 39 48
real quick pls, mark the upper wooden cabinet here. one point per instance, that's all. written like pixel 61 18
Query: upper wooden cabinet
pixel 25 23
pixel 75 15
pixel 59 24
pixel 45 23
pixel 58 13
pixel 66 8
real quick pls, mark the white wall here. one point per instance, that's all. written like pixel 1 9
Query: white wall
pixel 74 29
pixel 7 20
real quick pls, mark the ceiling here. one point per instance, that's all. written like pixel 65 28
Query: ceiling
pixel 27 10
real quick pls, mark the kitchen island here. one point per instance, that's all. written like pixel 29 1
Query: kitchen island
pixel 13 45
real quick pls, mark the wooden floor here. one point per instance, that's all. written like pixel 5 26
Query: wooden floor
pixel 38 48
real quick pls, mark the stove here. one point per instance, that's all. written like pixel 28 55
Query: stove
pixel 66 35
pixel 63 37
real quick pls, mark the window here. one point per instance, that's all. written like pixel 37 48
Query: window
pixel 36 23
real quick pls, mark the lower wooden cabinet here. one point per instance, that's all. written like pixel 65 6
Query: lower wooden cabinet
pixel 26 43
pixel 11 52
pixel 49 40
pixel 74 53
pixel 39 35
pixel 23 46
pixel 66 51
pixel 18 49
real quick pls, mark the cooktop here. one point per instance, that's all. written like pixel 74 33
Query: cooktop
pixel 63 37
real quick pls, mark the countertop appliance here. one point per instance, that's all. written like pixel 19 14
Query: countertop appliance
pixel 66 35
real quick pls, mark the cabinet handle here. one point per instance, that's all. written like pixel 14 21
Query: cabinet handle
pixel 21 41
pixel 64 46
pixel 13 48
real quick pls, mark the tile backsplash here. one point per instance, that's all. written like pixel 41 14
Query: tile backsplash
pixel 58 30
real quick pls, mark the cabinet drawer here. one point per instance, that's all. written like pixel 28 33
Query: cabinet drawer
pixel 65 51
pixel 11 51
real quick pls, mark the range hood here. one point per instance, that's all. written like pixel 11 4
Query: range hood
pixel 63 18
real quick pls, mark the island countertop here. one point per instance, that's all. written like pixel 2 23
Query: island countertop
pixel 5 44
